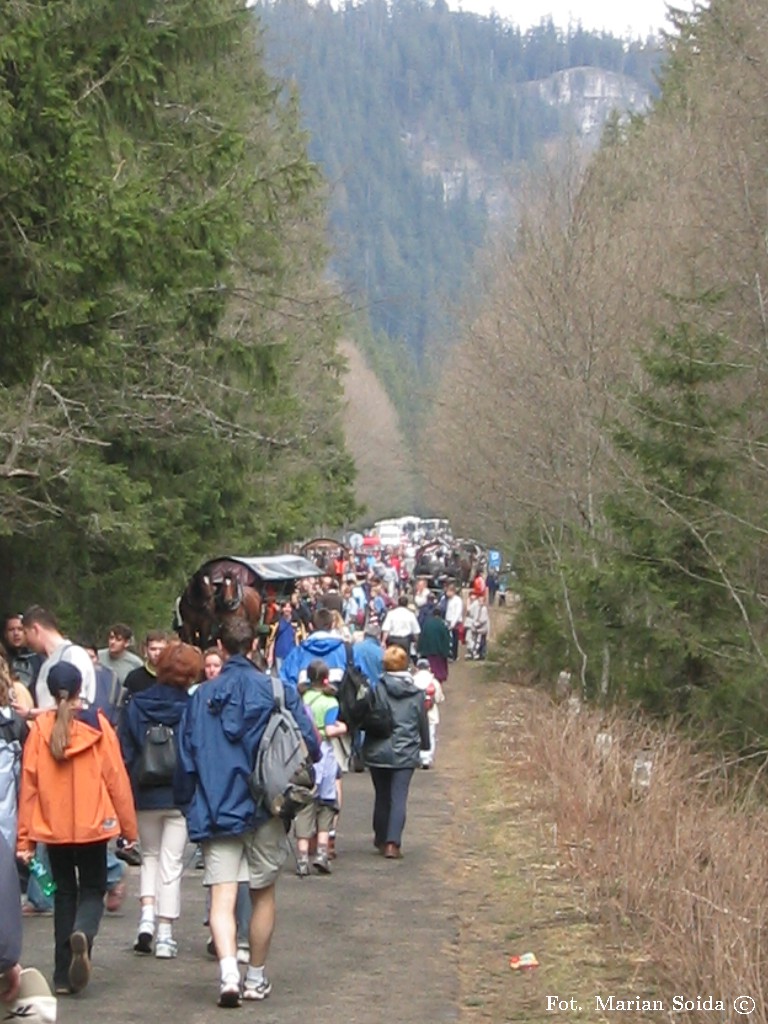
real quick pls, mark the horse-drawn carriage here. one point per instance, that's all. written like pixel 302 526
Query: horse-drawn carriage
pixel 440 562
pixel 233 586
pixel 332 557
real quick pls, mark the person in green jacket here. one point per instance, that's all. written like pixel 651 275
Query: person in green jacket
pixel 435 644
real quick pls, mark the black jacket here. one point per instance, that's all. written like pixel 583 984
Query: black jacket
pixel 410 734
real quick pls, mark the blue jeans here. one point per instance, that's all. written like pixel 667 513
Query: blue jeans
pixel 391 797
pixel 115 870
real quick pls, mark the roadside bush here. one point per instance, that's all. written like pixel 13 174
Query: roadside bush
pixel 683 861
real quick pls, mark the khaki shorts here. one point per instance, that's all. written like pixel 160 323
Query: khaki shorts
pixel 255 857
pixel 312 819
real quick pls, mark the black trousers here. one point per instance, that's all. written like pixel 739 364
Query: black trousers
pixel 80 873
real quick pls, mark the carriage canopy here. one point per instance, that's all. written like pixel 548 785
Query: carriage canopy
pixel 261 571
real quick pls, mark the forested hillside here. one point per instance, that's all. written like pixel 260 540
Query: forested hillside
pixel 169 378
pixel 421 120
pixel 620 445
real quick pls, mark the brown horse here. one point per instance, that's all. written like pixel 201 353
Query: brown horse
pixel 233 600
pixel 195 611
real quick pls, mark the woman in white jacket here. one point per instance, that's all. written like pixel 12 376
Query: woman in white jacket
pixel 433 695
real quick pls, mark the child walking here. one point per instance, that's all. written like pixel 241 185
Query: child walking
pixel 317 817
pixel 75 797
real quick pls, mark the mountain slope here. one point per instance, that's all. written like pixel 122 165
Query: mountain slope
pixel 422 119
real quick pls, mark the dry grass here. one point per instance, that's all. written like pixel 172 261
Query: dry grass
pixel 517 893
pixel 683 867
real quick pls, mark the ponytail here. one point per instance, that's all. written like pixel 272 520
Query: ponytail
pixel 62 727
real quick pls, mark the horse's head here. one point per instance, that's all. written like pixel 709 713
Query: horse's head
pixel 199 591
pixel 229 593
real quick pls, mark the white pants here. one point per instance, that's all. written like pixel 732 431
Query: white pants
pixel 163 837
pixel 428 756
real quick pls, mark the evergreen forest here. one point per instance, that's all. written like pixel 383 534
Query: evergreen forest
pixel 422 120
pixel 169 376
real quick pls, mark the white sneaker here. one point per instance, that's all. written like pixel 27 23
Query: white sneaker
pixel 243 955
pixel 229 993
pixel 166 949
pixel 257 989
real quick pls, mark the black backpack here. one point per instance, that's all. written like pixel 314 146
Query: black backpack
pixel 361 706
pixel 353 694
pixel 157 761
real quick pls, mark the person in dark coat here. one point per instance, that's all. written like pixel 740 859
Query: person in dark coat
pixel 391 761
pixel 162 825
pixel 434 644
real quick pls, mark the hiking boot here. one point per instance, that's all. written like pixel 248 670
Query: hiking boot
pixel 229 993
pixel 302 867
pixel 131 855
pixel 80 964
pixel 321 863
pixel 392 851
pixel 257 989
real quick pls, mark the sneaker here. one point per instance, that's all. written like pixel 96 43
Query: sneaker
pixel 302 867
pixel 80 964
pixel 321 863
pixel 243 954
pixel 166 949
pixel 115 897
pixel 257 989
pixel 131 855
pixel 144 936
pixel 229 993
pixel 199 859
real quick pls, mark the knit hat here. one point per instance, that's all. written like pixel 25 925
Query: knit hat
pixel 64 677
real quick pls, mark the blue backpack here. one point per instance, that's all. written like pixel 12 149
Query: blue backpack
pixel 108 690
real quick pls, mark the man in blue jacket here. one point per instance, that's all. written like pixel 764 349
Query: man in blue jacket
pixel 219 737
pixel 321 643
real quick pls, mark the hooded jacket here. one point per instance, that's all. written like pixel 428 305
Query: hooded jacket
pixel 86 797
pixel 328 646
pixel 218 739
pixel 410 733
pixel 159 705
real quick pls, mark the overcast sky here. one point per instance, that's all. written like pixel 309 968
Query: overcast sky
pixel 633 17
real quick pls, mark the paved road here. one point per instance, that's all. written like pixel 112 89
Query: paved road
pixel 374 942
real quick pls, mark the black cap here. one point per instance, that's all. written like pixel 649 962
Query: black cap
pixel 64 677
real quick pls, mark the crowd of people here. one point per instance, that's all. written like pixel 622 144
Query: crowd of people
pixel 108 758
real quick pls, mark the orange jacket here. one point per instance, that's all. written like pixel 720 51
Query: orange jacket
pixel 86 797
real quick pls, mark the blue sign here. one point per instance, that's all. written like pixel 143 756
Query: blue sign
pixel 494 559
